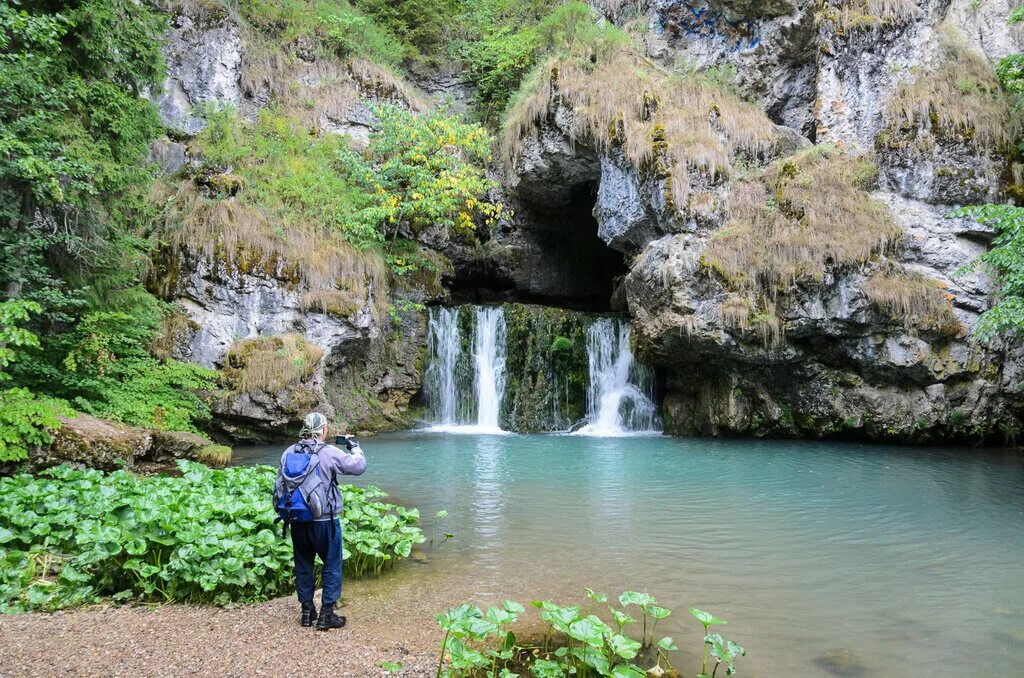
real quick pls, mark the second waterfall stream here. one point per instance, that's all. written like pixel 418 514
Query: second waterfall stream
pixel 466 383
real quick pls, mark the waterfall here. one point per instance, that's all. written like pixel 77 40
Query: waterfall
pixel 564 368
pixel 446 381
pixel 445 347
pixel 489 363
pixel 620 396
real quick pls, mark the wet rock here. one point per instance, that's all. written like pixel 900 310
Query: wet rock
pixel 841 662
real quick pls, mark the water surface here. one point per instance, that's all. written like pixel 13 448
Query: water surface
pixel 827 559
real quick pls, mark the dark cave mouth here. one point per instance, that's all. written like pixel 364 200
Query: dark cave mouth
pixel 555 258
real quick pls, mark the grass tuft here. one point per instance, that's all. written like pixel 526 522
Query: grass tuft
pixel 214 455
pixel 917 301
pixel 679 125
pixel 960 95
pixel 270 363
pixel 801 217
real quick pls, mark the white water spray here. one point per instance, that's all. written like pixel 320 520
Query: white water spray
pixel 453 407
pixel 489 358
pixel 619 399
pixel 445 348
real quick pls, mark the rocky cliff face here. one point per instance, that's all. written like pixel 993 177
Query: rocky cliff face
pixel 361 350
pixel 871 342
pixel 840 350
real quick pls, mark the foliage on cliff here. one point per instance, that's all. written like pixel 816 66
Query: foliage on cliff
pixel 333 27
pixel 418 171
pixel 310 209
pixel 425 171
pixel 74 132
pixel 1005 258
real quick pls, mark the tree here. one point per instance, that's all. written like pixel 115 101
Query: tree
pixel 73 133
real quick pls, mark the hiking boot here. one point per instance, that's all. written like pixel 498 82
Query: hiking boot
pixel 329 620
pixel 308 614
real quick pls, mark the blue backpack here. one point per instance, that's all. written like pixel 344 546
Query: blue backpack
pixel 300 493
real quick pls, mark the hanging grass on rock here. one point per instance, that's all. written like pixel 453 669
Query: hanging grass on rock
pixel 851 16
pixel 679 125
pixel 959 97
pixel 70 537
pixel 270 363
pixel 800 217
pixel 914 300
pixel 333 276
pixel 794 221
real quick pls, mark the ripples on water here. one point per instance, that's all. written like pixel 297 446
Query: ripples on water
pixel 887 561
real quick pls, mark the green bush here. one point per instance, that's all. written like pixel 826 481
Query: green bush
pixel 496 65
pixel 334 25
pixel 110 373
pixel 421 24
pixel 26 420
pixel 12 314
pixel 423 171
pixel 576 642
pixel 69 537
pixel 1005 259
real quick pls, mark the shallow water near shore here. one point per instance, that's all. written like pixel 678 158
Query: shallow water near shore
pixel 826 558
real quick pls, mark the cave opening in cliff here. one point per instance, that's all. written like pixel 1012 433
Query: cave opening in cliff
pixel 554 256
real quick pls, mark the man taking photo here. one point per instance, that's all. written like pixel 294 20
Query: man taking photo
pixel 307 499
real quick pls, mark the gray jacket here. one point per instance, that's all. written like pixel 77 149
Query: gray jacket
pixel 334 463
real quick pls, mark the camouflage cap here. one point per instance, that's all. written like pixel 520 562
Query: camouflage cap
pixel 313 425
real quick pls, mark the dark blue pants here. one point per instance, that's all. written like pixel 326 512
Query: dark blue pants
pixel 321 538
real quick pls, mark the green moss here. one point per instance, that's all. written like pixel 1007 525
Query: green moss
pixel 214 455
pixel 544 393
pixel 561 345
pixel 786 418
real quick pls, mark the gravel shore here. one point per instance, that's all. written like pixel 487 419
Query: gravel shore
pixel 248 640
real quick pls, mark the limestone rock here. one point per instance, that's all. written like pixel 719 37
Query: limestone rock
pixel 204 63
pixel 170 156
pixel 93 442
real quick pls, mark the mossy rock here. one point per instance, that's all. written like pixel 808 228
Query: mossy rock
pixel 171 445
pixel 93 442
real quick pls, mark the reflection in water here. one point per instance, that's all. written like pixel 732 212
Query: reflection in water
pixel 488 506
pixel 884 558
